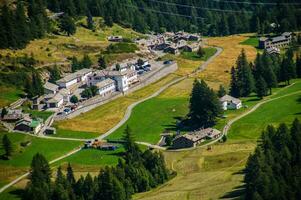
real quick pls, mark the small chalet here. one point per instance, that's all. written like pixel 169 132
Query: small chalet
pixel 13 115
pixel 80 77
pixel 172 50
pixel 194 138
pixel 56 101
pixel 29 125
pixel 230 103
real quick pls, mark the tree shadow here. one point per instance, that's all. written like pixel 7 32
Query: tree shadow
pixel 299 100
pixel 17 193
pixel 236 193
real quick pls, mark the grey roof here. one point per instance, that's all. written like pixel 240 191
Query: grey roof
pixel 74 75
pixel 278 38
pixel 56 98
pixel 104 83
pixel 51 86
pixel 287 33
pixel 229 98
pixel 201 134
pixel 64 91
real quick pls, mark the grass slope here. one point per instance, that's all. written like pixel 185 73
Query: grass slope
pixel 8 95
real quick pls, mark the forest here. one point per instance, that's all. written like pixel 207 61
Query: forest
pixel 136 171
pixel 273 171
pixel 26 20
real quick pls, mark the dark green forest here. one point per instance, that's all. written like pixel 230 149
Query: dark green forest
pixel 273 171
pixel 23 21
pixel 136 171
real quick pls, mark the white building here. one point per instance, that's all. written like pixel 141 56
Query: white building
pixel 106 87
pixel 230 103
pixel 66 94
pixel 50 88
pixel 124 79
pixel 96 77
pixel 79 77
pixel 56 101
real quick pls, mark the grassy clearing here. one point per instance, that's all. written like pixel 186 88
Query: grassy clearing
pixel 195 57
pixel 217 71
pixel 122 47
pixel 74 134
pixel 252 41
pixel 153 117
pixel 94 157
pixel 39 114
pixel 22 156
pixel 102 118
pixel 8 95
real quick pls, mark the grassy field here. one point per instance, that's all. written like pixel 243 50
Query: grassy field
pixel 74 134
pixel 22 156
pixel 218 71
pixel 8 95
pixel 217 173
pixel 209 51
pixel 252 41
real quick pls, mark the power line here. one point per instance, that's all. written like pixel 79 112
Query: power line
pixel 258 3
pixel 163 12
pixel 201 8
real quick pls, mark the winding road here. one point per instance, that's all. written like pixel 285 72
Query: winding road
pixel 123 121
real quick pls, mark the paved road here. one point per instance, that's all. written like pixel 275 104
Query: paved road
pixel 125 118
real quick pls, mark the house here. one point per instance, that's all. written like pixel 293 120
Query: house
pixel 96 77
pixel 79 77
pixel 230 103
pixel 13 115
pixel 124 79
pixel 55 101
pixel 189 48
pixel 29 125
pixel 50 131
pixel 50 88
pixel 66 94
pixel 273 50
pixel 37 102
pixel 115 38
pixel 161 46
pixel 279 41
pixel 194 138
pixel 106 87
pixel 172 50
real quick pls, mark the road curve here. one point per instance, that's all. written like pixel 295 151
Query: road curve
pixel 125 118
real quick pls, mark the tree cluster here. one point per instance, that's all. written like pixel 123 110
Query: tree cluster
pixel 267 71
pixel 34 85
pixel 137 172
pixel 89 92
pixel 204 106
pixel 20 24
pixel 274 170
pixel 85 62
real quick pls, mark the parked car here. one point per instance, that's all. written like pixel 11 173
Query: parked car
pixel 167 62
pixel 140 72
pixel 67 110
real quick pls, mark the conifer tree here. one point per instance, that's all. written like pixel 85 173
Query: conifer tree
pixel 204 105
pixel 222 91
pixel 298 66
pixel 234 86
pixel 54 74
pixel 102 62
pixel 67 25
pixel 261 87
pixel 7 146
pixel 70 174
pixel 22 29
pixel 90 22
pixel 86 62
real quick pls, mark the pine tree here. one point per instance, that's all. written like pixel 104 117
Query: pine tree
pixel 75 64
pixel 67 25
pixel 86 62
pixel 102 62
pixel 7 146
pixel 90 22
pixel 298 66
pixel 234 87
pixel 222 91
pixel 204 105
pixel 244 75
pixel 70 175
pixel 54 74
pixel 22 29
pixel 3 112
pixel 261 87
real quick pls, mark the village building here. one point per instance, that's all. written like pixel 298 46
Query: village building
pixel 55 101
pixel 278 42
pixel 80 77
pixel 194 138
pixel 115 38
pixel 106 87
pixel 273 50
pixel 37 102
pixel 50 88
pixel 230 103
pixel 29 125
pixel 50 131
pixel 124 79
pixel 66 94
pixel 172 50
pixel 13 115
